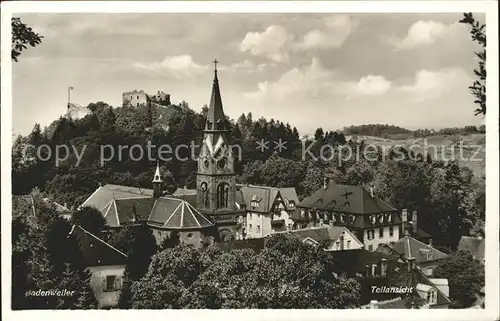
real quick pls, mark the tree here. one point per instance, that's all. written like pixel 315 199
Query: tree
pixel 465 276
pixel 170 241
pixel 285 274
pixel 478 88
pixel 90 219
pixel 22 36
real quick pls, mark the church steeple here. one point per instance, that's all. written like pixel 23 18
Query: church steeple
pixel 215 117
pixel 157 182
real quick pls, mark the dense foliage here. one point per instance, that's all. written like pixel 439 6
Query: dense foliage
pixel 478 88
pixel 45 258
pixel 465 276
pixel 22 36
pixel 286 274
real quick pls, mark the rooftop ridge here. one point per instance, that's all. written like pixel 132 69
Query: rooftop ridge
pixel 97 238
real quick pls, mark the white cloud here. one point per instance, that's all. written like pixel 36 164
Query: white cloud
pixel 271 43
pixel 311 81
pixel 371 85
pixel 433 84
pixel 181 66
pixel 423 33
pixel 337 29
pixel 246 66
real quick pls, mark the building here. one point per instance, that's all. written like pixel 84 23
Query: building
pixel 268 209
pixel 160 98
pixel 372 220
pixel 216 178
pixel 105 263
pixel 473 245
pixel 163 213
pixel 76 111
pixel 426 257
pixel 334 238
pixel 135 98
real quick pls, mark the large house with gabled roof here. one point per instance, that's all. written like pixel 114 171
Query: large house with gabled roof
pixel 105 263
pixel 371 219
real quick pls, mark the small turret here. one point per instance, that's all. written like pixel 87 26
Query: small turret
pixel 157 182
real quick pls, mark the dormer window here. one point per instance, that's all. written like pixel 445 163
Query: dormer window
pixel 254 203
pixel 430 256
pixel 291 204
pixel 381 219
pixel 374 219
pixel 432 296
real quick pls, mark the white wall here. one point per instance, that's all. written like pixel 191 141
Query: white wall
pixel 99 274
pixel 264 221
pixel 354 244
pixel 377 240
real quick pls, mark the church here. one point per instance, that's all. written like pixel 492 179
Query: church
pixel 215 211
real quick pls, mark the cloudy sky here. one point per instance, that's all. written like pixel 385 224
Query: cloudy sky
pixel 312 70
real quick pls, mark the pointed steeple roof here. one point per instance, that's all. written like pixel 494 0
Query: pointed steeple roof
pixel 215 115
pixel 157 178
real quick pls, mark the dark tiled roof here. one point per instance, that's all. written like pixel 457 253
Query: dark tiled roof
pixel 265 197
pixel 95 251
pixel 163 212
pixel 355 261
pixel 411 247
pixel 318 234
pixel 346 199
pixel 473 245
pixel 255 244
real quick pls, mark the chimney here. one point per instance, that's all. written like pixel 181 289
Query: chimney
pixel 325 182
pixel 414 222
pixel 383 267
pixel 373 304
pixel 374 269
pixel 411 264
pixel 367 270
pixel 404 220
pixel 430 242
pixel 342 241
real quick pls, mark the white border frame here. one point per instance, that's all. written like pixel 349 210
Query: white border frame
pixel 492 162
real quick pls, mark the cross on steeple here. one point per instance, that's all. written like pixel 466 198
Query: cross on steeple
pixel 215 64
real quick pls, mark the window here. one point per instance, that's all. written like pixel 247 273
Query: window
pixel 291 204
pixel 190 235
pixel 391 231
pixel 249 227
pixel 370 247
pixel 258 216
pixel 258 228
pixel 348 246
pixel 429 256
pixel 222 195
pixel 432 297
pixel 370 234
pixel 111 283
pixel 381 232
pixel 337 245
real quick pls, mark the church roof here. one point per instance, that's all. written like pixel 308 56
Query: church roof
pixel 96 252
pixel 102 197
pixel 163 212
pixel 346 199
pixel 215 113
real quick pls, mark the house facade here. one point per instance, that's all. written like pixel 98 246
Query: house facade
pixel 268 209
pixel 334 238
pixel 372 220
pixel 106 265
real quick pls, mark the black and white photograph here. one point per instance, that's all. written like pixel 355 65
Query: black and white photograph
pixel 183 156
